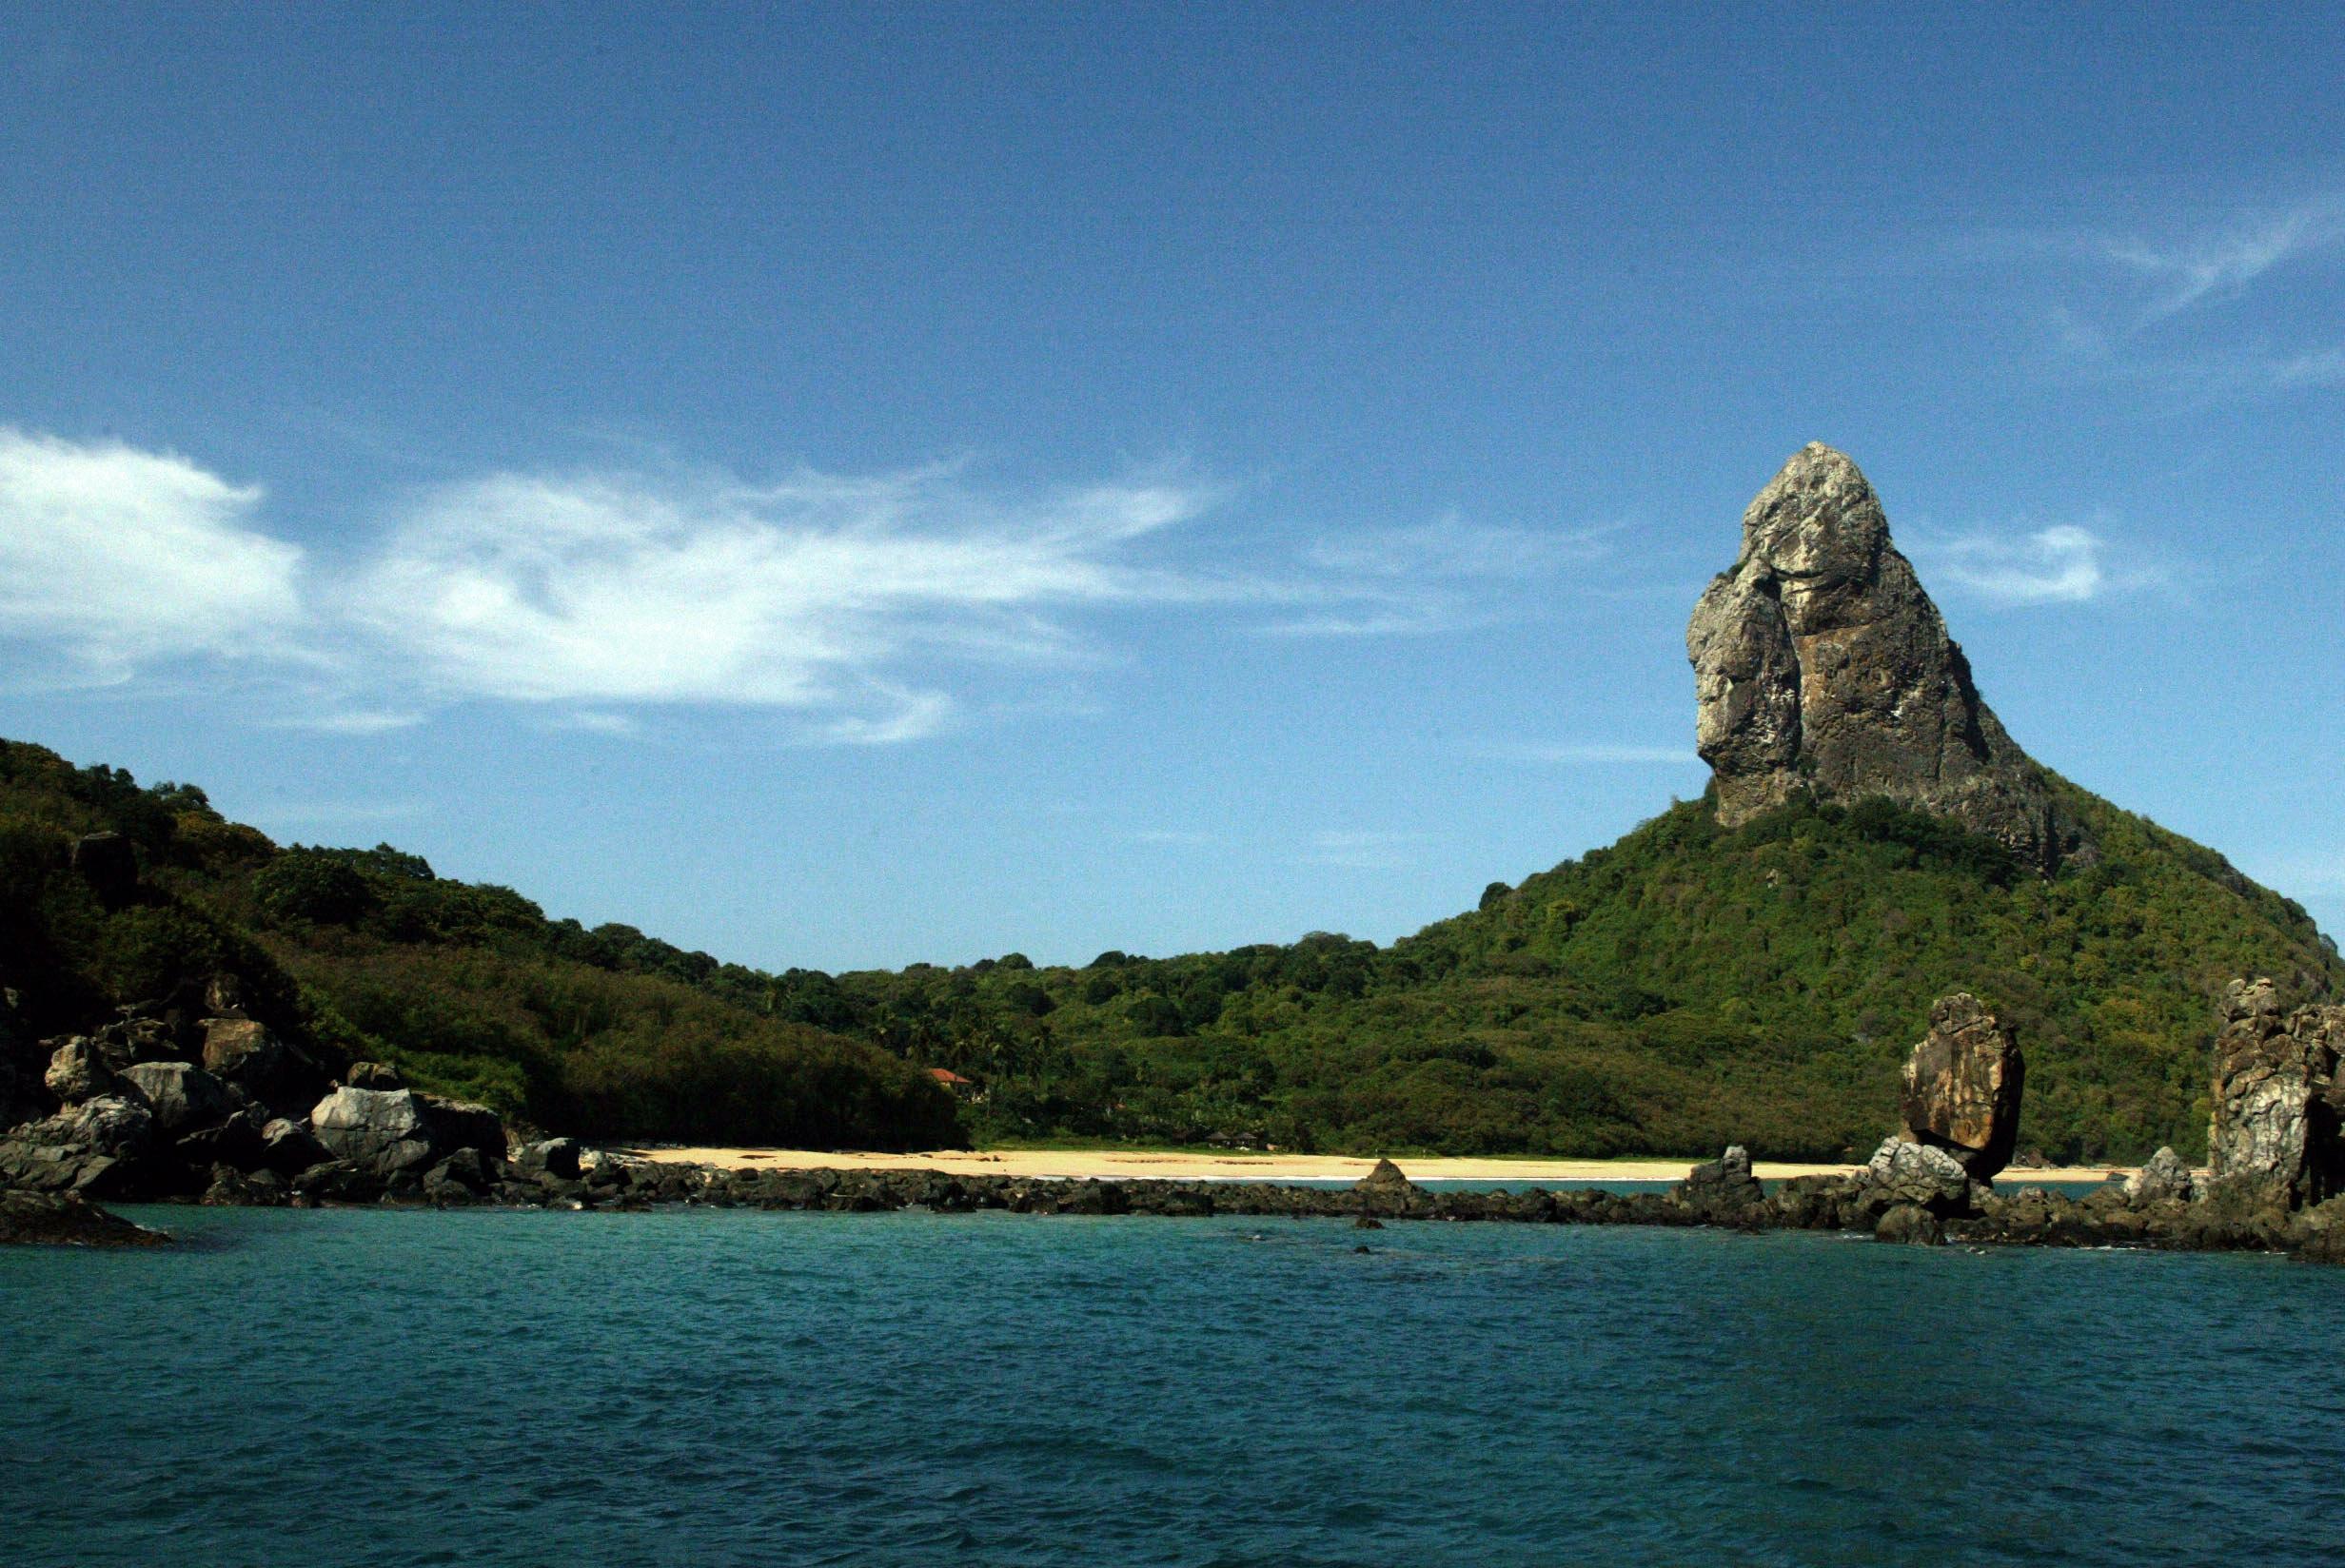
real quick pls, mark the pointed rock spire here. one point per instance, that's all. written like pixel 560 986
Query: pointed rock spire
pixel 1821 665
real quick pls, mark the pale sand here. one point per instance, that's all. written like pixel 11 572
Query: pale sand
pixel 1127 1163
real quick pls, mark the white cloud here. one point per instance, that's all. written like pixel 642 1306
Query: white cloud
pixel 2221 264
pixel 811 595
pixel 855 605
pixel 1599 754
pixel 2063 564
pixel 115 556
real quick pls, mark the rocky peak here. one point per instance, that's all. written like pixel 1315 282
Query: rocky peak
pixel 1821 666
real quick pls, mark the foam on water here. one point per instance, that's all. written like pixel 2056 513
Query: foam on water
pixel 362 1387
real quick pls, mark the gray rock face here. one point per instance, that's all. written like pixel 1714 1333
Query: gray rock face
pixel 1961 1086
pixel 2165 1176
pixel 396 1132
pixel 555 1157
pixel 182 1096
pixel 1903 1172
pixel 1819 664
pixel 1726 1183
pixel 2278 1126
pixel 82 1148
pixel 1911 1226
pixel 77 1072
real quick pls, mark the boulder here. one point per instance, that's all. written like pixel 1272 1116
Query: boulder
pixel 1911 1225
pixel 67 1219
pixel 380 1075
pixel 77 1072
pixel 274 1071
pixel 289 1147
pixel 1961 1086
pixel 241 1188
pixel 460 1124
pixel 555 1157
pixel 182 1096
pixel 136 1037
pixel 1386 1190
pixel 108 863
pixel 1904 1172
pixel 2278 1107
pixel 381 1131
pixel 2165 1176
pixel 1821 667
pixel 235 1141
pixel 1725 1184
pixel 95 1147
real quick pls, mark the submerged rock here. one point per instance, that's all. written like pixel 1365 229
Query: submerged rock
pixel 1821 665
pixel 1961 1086
pixel 1911 1225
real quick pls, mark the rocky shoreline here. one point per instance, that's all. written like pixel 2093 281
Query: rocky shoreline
pixel 131 1126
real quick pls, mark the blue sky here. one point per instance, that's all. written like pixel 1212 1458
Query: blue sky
pixel 849 486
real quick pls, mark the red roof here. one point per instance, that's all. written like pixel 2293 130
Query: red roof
pixel 946 1075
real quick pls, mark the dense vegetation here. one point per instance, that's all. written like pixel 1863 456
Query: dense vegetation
pixel 469 988
pixel 1689 986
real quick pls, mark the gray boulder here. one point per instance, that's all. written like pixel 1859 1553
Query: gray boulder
pixel 555 1157
pixel 2164 1177
pixel 461 1125
pixel 182 1096
pixel 246 1052
pixel 95 1147
pixel 1903 1172
pixel 77 1072
pixel 383 1131
pixel 289 1147
pixel 1722 1184
pixel 1821 666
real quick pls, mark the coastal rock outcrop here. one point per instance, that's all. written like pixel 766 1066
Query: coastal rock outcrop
pixel 1386 1190
pixel 269 1068
pixel 1721 1189
pixel 94 1146
pixel 2278 1124
pixel 1821 665
pixel 399 1135
pixel 1927 1177
pixel 2164 1177
pixel 1961 1086
pixel 67 1219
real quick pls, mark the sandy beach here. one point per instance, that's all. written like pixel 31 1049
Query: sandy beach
pixel 1127 1164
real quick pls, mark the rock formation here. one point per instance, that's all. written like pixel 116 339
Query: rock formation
pixel 1725 1184
pixel 2278 1126
pixel 1821 665
pixel 2165 1177
pixel 1961 1086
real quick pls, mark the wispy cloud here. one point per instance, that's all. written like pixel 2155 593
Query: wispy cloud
pixel 2220 264
pixel 1587 753
pixel 113 557
pixel 1368 850
pixel 1434 578
pixel 823 595
pixel 2063 564
pixel 854 605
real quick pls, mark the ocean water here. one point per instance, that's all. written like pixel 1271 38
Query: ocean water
pixel 713 1387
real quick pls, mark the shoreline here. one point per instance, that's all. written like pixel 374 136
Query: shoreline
pixel 1134 1164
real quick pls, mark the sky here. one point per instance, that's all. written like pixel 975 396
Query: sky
pixel 844 485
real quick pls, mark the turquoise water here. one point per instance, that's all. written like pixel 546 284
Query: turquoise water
pixel 362 1387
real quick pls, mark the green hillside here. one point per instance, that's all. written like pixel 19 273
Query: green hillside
pixel 469 988
pixel 1688 987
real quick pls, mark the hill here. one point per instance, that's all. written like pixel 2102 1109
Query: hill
pixel 366 955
